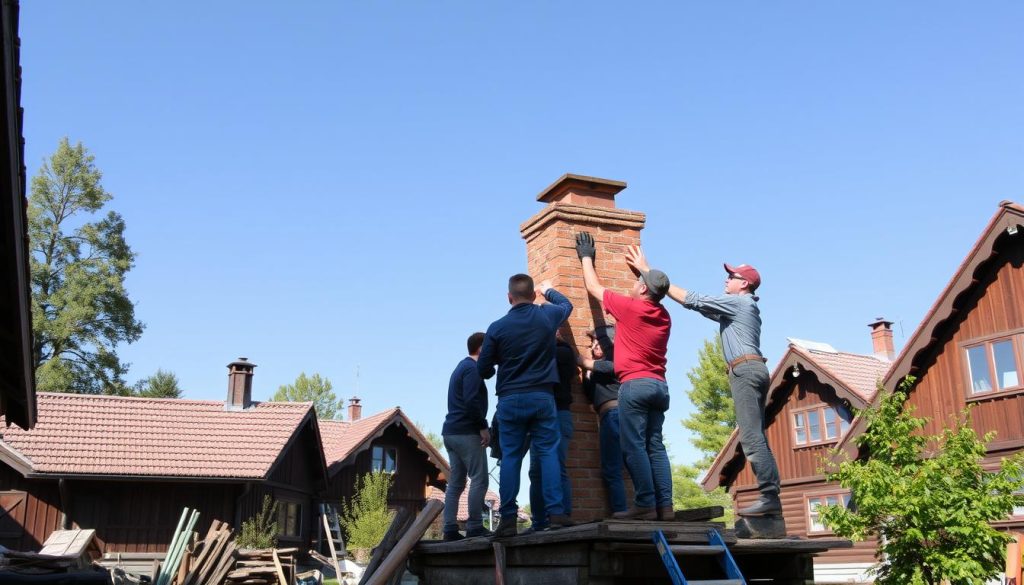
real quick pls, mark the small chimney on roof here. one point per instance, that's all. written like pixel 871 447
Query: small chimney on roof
pixel 881 339
pixel 239 384
pixel 355 410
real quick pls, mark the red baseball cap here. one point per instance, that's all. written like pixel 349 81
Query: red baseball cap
pixel 747 272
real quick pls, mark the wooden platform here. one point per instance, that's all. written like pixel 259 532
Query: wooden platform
pixel 613 552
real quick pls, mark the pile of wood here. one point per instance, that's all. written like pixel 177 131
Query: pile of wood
pixel 264 567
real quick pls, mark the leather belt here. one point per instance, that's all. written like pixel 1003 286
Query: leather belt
pixel 606 406
pixel 747 357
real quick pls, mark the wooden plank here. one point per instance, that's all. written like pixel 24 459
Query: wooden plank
pixel 699 514
pixel 499 563
pixel 208 544
pixel 280 569
pixel 396 559
pixel 399 524
pixel 227 559
pixel 330 544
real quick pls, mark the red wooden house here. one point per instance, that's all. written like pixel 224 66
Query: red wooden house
pixel 969 349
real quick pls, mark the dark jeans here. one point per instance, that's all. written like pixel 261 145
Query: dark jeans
pixel 537 507
pixel 523 415
pixel 611 460
pixel 749 384
pixel 642 406
pixel 466 456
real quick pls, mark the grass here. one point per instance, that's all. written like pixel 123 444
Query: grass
pixel 330 582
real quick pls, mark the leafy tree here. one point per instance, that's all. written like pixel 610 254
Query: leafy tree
pixel 713 418
pixel 80 308
pixel 435 439
pixel 312 389
pixel 926 498
pixel 687 493
pixel 365 516
pixel 161 384
pixel 260 530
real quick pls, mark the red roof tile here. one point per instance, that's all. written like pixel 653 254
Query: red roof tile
pixel 127 436
pixel 463 514
pixel 860 373
pixel 342 439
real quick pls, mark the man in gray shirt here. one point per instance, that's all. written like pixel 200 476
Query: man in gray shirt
pixel 739 322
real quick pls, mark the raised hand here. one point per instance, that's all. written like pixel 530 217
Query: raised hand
pixel 636 260
pixel 585 246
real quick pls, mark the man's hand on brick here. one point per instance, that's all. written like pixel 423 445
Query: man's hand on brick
pixel 585 246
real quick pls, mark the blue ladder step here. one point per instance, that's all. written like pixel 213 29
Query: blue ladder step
pixel 715 547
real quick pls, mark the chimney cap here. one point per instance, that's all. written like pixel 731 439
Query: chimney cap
pixel 880 321
pixel 242 361
pixel 566 182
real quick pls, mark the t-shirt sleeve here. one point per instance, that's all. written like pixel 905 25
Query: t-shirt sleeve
pixel 615 304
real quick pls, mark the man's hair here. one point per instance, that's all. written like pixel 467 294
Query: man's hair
pixel 474 342
pixel 520 286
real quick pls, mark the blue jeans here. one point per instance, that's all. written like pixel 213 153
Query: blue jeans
pixel 466 456
pixel 523 415
pixel 611 460
pixel 749 384
pixel 642 406
pixel 537 508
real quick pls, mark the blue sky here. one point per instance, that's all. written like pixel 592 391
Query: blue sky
pixel 333 186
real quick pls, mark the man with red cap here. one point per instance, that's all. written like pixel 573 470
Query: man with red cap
pixel 739 322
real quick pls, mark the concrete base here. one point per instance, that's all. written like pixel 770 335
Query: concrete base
pixel 760 527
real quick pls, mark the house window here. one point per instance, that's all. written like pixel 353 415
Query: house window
pixel 994 366
pixel 289 519
pixel 814 523
pixel 820 424
pixel 385 459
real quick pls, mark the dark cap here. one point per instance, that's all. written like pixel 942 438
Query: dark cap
pixel 657 282
pixel 747 273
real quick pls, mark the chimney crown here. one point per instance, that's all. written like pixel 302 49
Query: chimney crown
pixel 355 410
pixel 582 190
pixel 881 339
pixel 239 384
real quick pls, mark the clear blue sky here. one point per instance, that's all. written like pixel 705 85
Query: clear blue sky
pixel 330 186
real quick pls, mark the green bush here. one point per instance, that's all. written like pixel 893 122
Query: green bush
pixel 365 517
pixel 260 530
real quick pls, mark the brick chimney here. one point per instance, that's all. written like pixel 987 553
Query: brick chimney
pixel 239 384
pixel 355 410
pixel 576 203
pixel 881 339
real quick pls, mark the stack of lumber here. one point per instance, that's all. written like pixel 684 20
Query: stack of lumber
pixel 209 560
pixel 264 567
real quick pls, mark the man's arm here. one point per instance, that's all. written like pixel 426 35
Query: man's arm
pixel 637 261
pixel 587 252
pixel 472 386
pixel 604 367
pixel 488 357
pixel 557 300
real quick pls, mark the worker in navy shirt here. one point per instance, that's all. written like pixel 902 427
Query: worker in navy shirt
pixel 522 345
pixel 466 437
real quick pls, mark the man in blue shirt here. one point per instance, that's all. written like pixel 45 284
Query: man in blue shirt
pixel 466 438
pixel 739 321
pixel 522 345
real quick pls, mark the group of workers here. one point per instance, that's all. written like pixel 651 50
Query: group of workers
pixel 624 379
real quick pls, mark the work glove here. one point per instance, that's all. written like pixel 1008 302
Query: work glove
pixel 585 246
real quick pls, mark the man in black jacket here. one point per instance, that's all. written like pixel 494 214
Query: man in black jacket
pixel 601 387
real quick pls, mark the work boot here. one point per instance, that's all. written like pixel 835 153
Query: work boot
pixel 666 513
pixel 637 514
pixel 478 532
pixel 766 505
pixel 560 521
pixel 452 536
pixel 506 528
pixel 534 529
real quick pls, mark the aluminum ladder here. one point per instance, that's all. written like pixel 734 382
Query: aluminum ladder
pixel 715 547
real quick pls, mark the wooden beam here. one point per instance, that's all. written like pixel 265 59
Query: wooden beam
pixel 399 524
pixel 398 556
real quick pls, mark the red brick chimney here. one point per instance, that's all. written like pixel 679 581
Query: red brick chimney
pixel 881 339
pixel 239 384
pixel 576 203
pixel 355 410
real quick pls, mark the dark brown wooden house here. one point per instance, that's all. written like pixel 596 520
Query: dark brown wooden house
pixel 969 349
pixel 17 381
pixel 127 466
pixel 387 441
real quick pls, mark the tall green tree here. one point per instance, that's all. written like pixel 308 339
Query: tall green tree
pixel 162 384
pixel 926 498
pixel 80 307
pixel 312 389
pixel 713 418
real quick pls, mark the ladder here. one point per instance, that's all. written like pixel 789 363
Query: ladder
pixel 715 547
pixel 330 530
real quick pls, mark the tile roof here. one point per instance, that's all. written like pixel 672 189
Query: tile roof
pixel 463 514
pixel 128 436
pixel 860 373
pixel 342 439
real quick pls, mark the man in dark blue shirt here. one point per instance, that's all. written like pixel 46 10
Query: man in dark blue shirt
pixel 522 344
pixel 466 438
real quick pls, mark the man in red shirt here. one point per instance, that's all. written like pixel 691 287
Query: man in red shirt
pixel 641 341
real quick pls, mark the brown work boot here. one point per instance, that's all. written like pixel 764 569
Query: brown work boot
pixel 506 528
pixel 560 521
pixel 666 513
pixel 637 514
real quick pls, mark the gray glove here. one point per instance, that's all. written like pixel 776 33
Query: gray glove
pixel 585 246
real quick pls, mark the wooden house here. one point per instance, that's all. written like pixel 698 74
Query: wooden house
pixel 969 349
pixel 127 466
pixel 387 441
